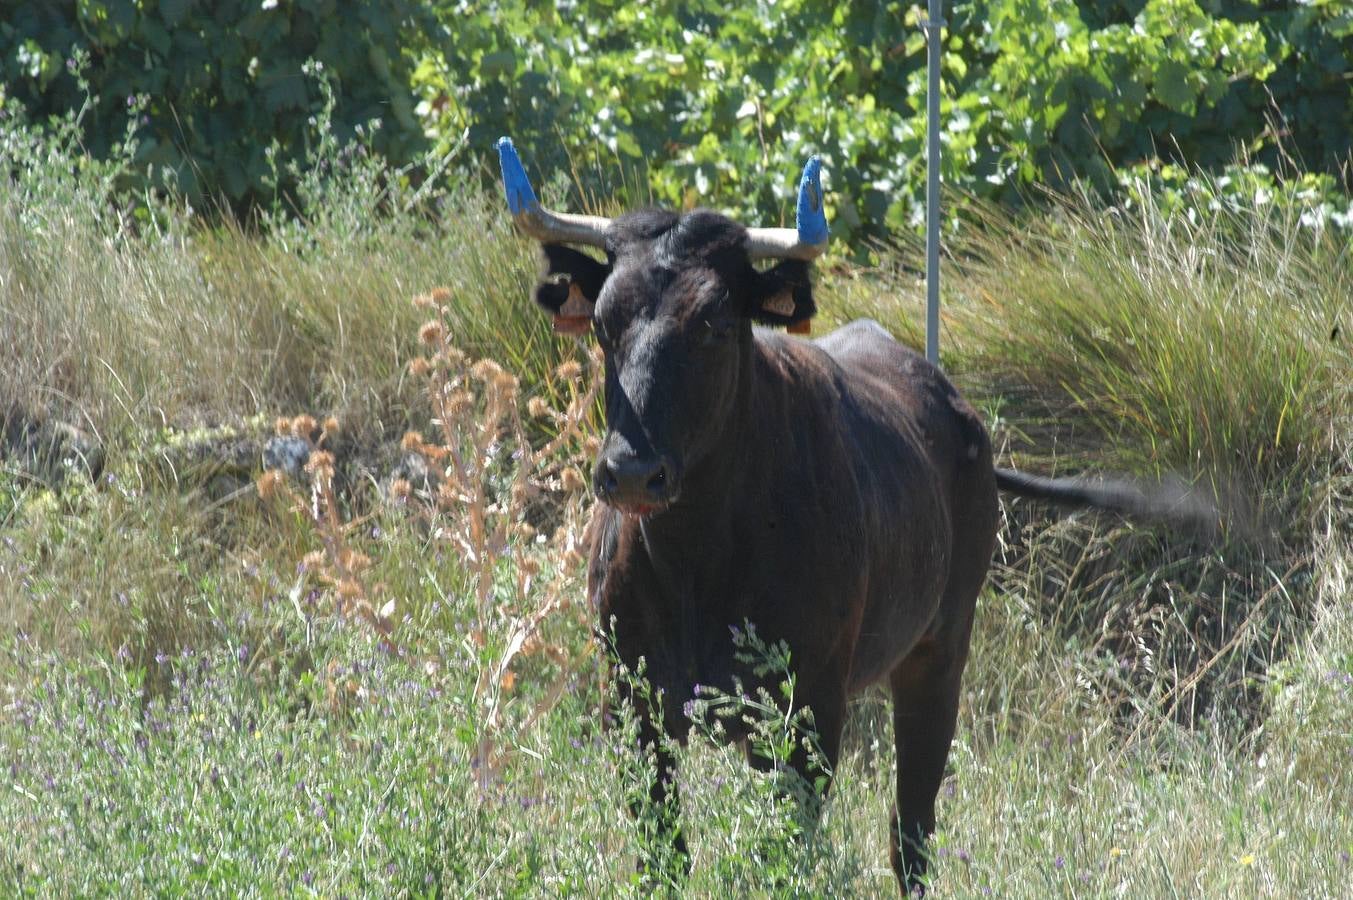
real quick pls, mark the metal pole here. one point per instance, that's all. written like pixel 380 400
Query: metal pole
pixel 932 190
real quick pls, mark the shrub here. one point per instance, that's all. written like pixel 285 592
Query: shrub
pixel 223 101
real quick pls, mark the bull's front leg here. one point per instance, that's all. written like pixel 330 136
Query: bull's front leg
pixel 649 778
pixel 812 761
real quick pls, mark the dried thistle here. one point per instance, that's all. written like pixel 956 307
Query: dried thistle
pixel 337 565
pixel 321 464
pixel 303 427
pixel 486 370
pixel 431 333
pixel 478 416
pixel 267 484
pixel 572 480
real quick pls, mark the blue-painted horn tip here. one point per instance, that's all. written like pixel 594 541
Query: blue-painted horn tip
pixel 515 183
pixel 811 215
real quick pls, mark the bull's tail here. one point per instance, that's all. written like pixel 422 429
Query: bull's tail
pixel 1170 502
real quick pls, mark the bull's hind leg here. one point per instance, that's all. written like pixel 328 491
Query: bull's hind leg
pixel 925 709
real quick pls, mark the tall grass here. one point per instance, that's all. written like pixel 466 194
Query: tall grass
pixel 1205 344
pixel 126 323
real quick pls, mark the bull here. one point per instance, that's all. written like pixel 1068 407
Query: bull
pixel 838 493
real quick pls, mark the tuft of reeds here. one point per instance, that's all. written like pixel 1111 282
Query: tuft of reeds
pixel 1204 345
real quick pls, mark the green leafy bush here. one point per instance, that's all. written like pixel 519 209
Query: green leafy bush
pixel 698 102
pixel 721 105
pixel 222 98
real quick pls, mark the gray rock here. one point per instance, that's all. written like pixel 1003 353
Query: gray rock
pixel 290 454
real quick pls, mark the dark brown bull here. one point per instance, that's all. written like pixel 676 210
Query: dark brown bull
pixel 837 493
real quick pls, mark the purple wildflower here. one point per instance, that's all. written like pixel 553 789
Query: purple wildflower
pixel 1058 863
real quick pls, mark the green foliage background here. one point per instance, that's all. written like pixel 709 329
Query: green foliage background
pixel 217 93
pixel 711 103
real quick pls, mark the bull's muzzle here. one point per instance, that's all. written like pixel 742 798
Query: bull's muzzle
pixel 634 484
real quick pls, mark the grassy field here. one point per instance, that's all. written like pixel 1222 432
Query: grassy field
pixel 205 691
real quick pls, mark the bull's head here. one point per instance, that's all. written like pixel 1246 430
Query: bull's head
pixel 672 307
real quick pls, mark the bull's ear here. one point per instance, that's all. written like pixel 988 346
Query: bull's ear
pixel 783 295
pixel 569 287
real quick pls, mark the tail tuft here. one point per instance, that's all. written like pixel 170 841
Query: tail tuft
pixel 1169 502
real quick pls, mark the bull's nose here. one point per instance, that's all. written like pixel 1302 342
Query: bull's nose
pixel 629 481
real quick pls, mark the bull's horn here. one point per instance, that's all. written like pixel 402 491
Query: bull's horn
pixel 537 221
pixel 809 239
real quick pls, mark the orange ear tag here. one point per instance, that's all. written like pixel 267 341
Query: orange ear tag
pixel 804 327
pixel 575 315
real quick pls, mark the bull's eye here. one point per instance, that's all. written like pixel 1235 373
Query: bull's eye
pixel 717 332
